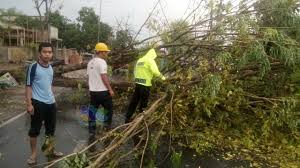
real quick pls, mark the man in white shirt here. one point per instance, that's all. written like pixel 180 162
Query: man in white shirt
pixel 101 92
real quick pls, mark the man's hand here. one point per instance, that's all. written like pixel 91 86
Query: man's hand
pixel 111 93
pixel 105 80
pixel 30 109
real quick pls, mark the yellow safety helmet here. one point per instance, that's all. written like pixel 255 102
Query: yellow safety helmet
pixel 101 47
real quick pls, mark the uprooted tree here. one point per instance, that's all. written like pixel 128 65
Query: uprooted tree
pixel 233 85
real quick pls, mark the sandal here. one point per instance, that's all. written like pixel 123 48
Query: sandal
pixel 57 154
pixel 31 161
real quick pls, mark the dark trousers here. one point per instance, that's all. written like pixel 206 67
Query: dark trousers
pixel 42 112
pixel 97 99
pixel 140 97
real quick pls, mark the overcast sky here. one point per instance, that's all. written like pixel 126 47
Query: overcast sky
pixel 136 10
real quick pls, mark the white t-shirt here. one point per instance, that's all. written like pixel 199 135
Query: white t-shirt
pixel 95 68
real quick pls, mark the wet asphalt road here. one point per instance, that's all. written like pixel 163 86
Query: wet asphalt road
pixel 72 135
pixel 14 142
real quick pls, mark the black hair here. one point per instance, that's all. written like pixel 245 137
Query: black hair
pixel 43 45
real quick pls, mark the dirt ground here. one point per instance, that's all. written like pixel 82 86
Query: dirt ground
pixel 9 67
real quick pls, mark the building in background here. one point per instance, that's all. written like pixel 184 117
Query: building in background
pixel 13 35
pixel 18 44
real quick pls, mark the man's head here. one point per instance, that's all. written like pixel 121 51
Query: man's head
pixel 162 52
pixel 46 52
pixel 102 50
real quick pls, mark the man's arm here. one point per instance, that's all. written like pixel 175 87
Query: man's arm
pixel 28 89
pixel 105 80
pixel 28 96
pixel 87 82
pixel 155 70
pixel 52 88
pixel 104 77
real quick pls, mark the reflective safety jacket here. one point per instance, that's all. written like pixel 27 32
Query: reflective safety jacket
pixel 146 69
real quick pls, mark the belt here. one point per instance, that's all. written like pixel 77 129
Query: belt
pixel 139 80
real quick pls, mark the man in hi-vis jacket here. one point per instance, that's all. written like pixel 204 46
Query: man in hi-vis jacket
pixel 145 70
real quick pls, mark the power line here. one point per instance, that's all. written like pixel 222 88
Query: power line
pixel 99 21
pixel 150 14
pixel 164 14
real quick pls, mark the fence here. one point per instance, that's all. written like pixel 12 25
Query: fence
pixel 16 54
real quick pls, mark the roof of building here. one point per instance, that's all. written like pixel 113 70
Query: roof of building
pixel 12 26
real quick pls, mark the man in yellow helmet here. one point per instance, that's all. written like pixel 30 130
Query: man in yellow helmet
pixel 101 92
pixel 145 70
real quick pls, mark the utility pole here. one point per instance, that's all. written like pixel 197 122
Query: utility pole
pixel 211 3
pixel 99 26
pixel 194 19
pixel 47 22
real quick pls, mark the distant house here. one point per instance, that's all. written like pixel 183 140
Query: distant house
pixel 15 41
pixel 13 35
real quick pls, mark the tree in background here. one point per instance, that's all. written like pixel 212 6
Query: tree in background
pixel 172 35
pixel 80 34
pixel 27 22
pixel 68 31
pixel 282 15
pixel 88 21
pixel 8 17
pixel 44 20
pixel 122 39
pixel 10 12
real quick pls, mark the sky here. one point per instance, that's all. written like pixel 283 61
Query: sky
pixel 135 11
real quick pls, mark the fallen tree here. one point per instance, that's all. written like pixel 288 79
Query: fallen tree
pixel 233 86
pixel 120 136
pixel 59 70
pixel 68 82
